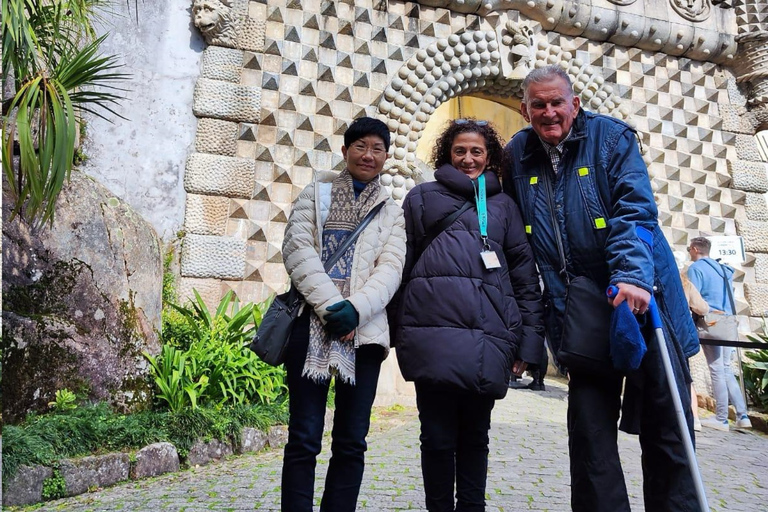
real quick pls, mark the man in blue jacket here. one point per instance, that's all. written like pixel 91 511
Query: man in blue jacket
pixel 583 191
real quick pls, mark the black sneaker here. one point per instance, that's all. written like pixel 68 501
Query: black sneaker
pixel 536 386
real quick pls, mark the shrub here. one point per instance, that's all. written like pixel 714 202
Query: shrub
pixel 208 364
pixel 65 400
pixel 54 487
pixel 755 370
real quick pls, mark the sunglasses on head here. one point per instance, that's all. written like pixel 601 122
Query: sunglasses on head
pixel 465 121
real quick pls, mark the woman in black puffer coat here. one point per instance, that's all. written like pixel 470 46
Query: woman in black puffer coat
pixel 469 311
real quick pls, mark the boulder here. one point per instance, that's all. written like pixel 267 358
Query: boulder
pixel 81 302
pixel 277 436
pixel 82 475
pixel 155 459
pixel 204 452
pixel 251 440
pixel 26 486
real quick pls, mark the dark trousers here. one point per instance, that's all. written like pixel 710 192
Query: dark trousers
pixel 454 447
pixel 305 428
pixel 597 480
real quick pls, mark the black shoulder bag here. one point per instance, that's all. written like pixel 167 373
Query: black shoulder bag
pixel 585 343
pixel 272 336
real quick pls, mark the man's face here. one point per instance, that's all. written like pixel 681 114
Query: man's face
pixel 365 157
pixel 551 109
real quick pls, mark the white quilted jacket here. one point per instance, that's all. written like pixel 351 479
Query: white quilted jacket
pixel 377 264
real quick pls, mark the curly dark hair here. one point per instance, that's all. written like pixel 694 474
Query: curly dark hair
pixel 441 153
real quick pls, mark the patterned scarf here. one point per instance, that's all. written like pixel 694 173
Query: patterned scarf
pixel 327 355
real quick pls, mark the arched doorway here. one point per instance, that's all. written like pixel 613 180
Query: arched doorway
pixel 503 114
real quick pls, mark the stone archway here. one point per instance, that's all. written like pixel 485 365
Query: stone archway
pixel 483 62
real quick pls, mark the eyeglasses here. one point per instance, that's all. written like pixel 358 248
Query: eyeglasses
pixel 362 149
pixel 465 121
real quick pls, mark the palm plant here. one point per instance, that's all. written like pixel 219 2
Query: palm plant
pixel 51 55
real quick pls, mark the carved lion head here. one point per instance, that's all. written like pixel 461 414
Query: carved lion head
pixel 210 15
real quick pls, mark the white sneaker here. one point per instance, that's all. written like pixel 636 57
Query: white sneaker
pixel 743 422
pixel 714 423
pixel 697 424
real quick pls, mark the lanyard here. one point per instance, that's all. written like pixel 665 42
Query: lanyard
pixel 482 211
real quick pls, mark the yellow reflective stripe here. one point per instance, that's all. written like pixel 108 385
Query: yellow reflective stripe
pixel 534 180
pixel 600 223
pixel 583 171
pixel 528 229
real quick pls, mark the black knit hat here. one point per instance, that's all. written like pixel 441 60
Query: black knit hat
pixel 364 126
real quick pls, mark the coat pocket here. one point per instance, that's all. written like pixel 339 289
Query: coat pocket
pixel 527 190
pixel 585 177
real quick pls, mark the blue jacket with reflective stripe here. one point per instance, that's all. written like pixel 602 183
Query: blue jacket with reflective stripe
pixel 599 197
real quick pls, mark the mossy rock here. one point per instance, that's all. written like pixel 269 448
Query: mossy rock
pixel 82 300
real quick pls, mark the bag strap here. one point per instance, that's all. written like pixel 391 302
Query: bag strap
pixel 352 237
pixel 443 225
pixel 294 297
pixel 556 228
pixel 726 284
pixel 293 293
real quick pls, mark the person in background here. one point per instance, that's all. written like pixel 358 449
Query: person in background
pixel 699 308
pixel 343 331
pixel 469 310
pixel 707 275
pixel 584 193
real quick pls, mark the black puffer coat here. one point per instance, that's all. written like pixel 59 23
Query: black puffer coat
pixel 459 324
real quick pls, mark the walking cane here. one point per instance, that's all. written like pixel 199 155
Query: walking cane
pixel 681 423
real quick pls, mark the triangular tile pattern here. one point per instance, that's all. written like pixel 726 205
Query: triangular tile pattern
pixel 325 63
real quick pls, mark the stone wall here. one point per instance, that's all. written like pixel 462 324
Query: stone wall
pixel 281 81
pixel 141 158
pixel 273 112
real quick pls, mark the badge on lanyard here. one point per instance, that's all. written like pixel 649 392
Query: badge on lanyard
pixel 489 256
pixel 490 260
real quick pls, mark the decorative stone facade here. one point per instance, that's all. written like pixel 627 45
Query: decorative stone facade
pixel 692 77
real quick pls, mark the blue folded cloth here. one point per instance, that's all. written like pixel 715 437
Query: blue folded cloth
pixel 627 343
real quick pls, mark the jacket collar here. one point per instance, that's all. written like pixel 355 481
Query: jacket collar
pixel 578 132
pixel 460 183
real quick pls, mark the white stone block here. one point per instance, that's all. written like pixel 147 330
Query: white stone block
pixel 206 215
pixel 225 100
pixel 222 64
pixel 219 175
pixel 213 256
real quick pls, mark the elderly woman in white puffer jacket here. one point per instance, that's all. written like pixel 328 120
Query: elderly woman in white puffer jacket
pixel 343 331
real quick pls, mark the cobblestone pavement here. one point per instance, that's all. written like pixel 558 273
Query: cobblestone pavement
pixel 528 468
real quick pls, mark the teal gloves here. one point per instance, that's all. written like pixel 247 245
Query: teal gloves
pixel 342 319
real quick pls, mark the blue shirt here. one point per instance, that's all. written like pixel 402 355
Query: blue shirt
pixel 359 186
pixel 706 275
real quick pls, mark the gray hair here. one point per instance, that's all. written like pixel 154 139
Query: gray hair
pixel 546 74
